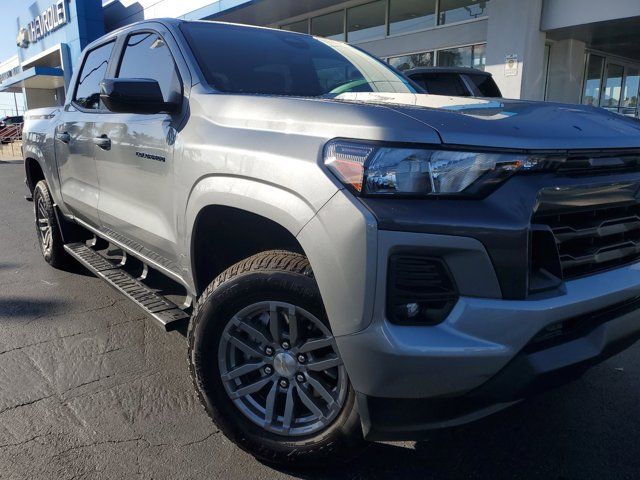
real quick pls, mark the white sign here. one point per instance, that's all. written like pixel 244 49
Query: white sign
pixel 511 65
pixel 49 20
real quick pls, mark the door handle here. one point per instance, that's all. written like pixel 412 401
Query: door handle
pixel 64 137
pixel 103 142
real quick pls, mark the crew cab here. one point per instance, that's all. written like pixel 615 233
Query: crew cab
pixel 359 260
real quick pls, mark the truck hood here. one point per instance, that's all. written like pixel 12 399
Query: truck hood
pixel 503 123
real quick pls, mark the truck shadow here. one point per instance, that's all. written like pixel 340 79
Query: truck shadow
pixel 561 434
pixel 27 308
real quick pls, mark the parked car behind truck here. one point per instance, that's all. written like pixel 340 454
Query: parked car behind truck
pixel 365 262
pixel 11 129
pixel 456 81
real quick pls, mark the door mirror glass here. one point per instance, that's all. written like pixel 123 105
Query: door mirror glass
pixel 134 95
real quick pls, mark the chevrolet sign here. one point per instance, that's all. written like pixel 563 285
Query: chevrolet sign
pixel 49 20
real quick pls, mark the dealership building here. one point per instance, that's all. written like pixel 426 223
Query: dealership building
pixel 576 51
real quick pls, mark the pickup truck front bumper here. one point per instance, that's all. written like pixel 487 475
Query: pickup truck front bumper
pixel 489 352
pixel 509 334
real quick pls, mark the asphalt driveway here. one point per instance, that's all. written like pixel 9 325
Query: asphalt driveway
pixel 90 388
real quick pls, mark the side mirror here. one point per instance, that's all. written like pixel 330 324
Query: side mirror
pixel 134 95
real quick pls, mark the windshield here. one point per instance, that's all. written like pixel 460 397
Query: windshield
pixel 238 59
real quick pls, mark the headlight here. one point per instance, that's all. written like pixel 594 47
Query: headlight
pixel 384 170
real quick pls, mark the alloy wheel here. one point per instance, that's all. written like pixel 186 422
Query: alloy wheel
pixel 45 231
pixel 280 366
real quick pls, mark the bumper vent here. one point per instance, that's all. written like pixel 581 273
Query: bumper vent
pixel 420 290
pixel 594 239
pixel 580 326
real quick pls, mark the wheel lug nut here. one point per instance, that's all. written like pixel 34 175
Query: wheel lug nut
pixel 268 351
pixel 284 383
pixel 268 370
pixel 300 377
pixel 285 345
pixel 302 358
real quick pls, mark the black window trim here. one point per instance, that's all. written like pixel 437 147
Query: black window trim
pixel 126 36
pixel 114 41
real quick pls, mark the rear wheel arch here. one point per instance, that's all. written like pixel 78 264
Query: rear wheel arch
pixel 34 173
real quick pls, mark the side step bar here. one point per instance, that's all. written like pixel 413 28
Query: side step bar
pixel 158 307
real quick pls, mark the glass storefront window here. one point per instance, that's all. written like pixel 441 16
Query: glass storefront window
pixel 630 92
pixel 366 22
pixel 479 57
pixel 329 26
pixel 593 81
pixel 613 86
pixel 411 15
pixel 455 57
pixel 300 27
pixel 458 10
pixel 407 62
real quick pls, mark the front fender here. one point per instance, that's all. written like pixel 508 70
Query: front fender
pixel 339 240
pixel 341 245
pixel 285 207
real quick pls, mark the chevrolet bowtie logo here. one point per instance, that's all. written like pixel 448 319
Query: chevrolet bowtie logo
pixel 23 38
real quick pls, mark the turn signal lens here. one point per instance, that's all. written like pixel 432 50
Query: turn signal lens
pixel 346 161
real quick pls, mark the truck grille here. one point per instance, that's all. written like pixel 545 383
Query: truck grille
pixel 594 239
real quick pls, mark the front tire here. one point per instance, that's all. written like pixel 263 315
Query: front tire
pixel 266 365
pixel 47 228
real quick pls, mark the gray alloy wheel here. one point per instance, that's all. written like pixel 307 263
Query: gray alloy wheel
pixel 47 227
pixel 43 225
pixel 280 366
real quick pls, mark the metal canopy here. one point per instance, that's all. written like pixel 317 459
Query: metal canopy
pixel 47 78
pixel 267 12
pixel 617 37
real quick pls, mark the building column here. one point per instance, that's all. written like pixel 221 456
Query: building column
pixel 566 71
pixel 514 29
pixel 40 97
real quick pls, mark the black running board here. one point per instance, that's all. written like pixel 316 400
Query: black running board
pixel 159 308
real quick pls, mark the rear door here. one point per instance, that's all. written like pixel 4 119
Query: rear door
pixel 136 165
pixel 74 137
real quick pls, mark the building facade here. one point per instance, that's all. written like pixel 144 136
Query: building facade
pixel 573 51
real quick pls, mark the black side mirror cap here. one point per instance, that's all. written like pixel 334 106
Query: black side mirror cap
pixel 134 95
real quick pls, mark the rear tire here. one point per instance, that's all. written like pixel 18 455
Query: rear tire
pixel 47 228
pixel 287 421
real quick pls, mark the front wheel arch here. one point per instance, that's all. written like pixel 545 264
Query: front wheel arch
pixel 224 235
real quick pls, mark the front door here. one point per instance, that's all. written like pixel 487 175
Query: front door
pixel 135 162
pixel 74 138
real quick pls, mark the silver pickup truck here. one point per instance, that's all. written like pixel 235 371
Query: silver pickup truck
pixel 359 261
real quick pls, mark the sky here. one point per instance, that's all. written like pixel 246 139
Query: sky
pixel 10 11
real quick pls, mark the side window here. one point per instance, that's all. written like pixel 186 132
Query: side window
pixel 146 55
pixel 92 73
pixel 444 84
